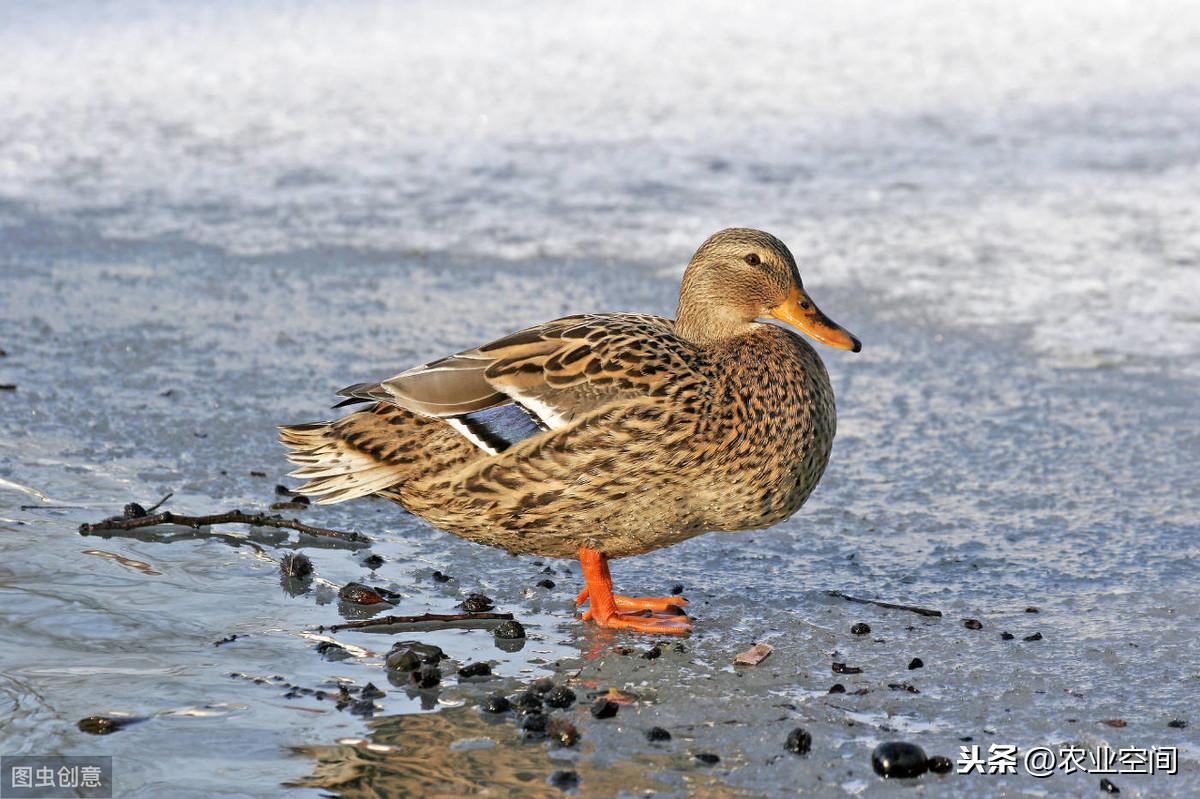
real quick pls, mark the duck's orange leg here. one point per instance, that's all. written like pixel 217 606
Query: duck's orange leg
pixel 630 613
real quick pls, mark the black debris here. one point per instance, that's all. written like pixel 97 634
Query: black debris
pixel 477 603
pixel 915 663
pixel 899 759
pixel 605 709
pixel 560 697
pixel 1107 786
pixel 973 624
pixel 862 628
pixel 657 734
pixel 496 703
pixel 296 564
pixel 799 741
pixel 940 764
pixel 509 630
pixel 475 670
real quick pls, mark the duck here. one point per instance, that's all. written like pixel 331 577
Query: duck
pixel 601 436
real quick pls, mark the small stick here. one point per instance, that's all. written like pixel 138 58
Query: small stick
pixel 384 621
pixel 159 504
pixel 890 605
pixel 229 517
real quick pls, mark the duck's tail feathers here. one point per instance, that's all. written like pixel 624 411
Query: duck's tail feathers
pixel 346 459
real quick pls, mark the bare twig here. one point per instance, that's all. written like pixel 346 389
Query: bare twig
pixel 890 605
pixel 229 517
pixel 384 621
pixel 159 504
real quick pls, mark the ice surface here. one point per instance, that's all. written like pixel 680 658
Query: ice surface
pixel 1023 164
pixel 212 217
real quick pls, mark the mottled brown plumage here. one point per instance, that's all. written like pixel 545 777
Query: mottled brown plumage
pixel 640 431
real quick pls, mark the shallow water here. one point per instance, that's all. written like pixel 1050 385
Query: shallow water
pixel 194 249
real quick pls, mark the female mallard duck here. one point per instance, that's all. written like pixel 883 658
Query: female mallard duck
pixel 605 435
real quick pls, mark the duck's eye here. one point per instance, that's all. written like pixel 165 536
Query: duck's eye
pixel 753 259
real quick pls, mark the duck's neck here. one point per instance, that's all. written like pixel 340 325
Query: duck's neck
pixel 706 321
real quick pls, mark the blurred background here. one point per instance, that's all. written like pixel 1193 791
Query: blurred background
pixel 212 216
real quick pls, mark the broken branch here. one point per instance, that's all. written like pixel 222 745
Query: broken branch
pixel 450 618
pixel 229 517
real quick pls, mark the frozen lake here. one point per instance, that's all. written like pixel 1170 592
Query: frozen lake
pixel 211 219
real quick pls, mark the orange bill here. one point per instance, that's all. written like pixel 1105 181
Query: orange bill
pixel 799 311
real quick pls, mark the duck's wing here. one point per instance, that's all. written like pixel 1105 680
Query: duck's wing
pixel 540 378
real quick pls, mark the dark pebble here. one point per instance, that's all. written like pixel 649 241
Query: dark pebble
pixel 535 722
pixel 915 663
pixel 496 704
pixel 430 653
pixel 560 697
pixel 1034 637
pixel 939 764
pixel 656 734
pixel 406 660
pixel 369 691
pixel 542 686
pixel 799 741
pixel 837 688
pixel 527 701
pixel 284 491
pixel 563 732
pixel 898 759
pixel 359 594
pixel 426 677
pixel 438 577
pixel 509 630
pixel 290 505
pixel 707 758
pixel 677 589
pixel 1031 609
pixel 256 473
pixel 372 562
pixel 1107 786
pixel 103 725
pixel 680 648
pixel 475 670
pixel 652 653
pixel 297 565
pixel 605 709
pixel 861 629
pixel 331 651
pixel 363 707
pixel 842 668
pixel 903 686
pixel 133 511
pixel 565 780
pixel 1177 724
pixel 1006 636
pixel 545 584
pixel 477 603
pixel 8 386
pixel 973 624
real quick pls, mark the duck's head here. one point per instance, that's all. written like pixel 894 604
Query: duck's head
pixel 740 275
